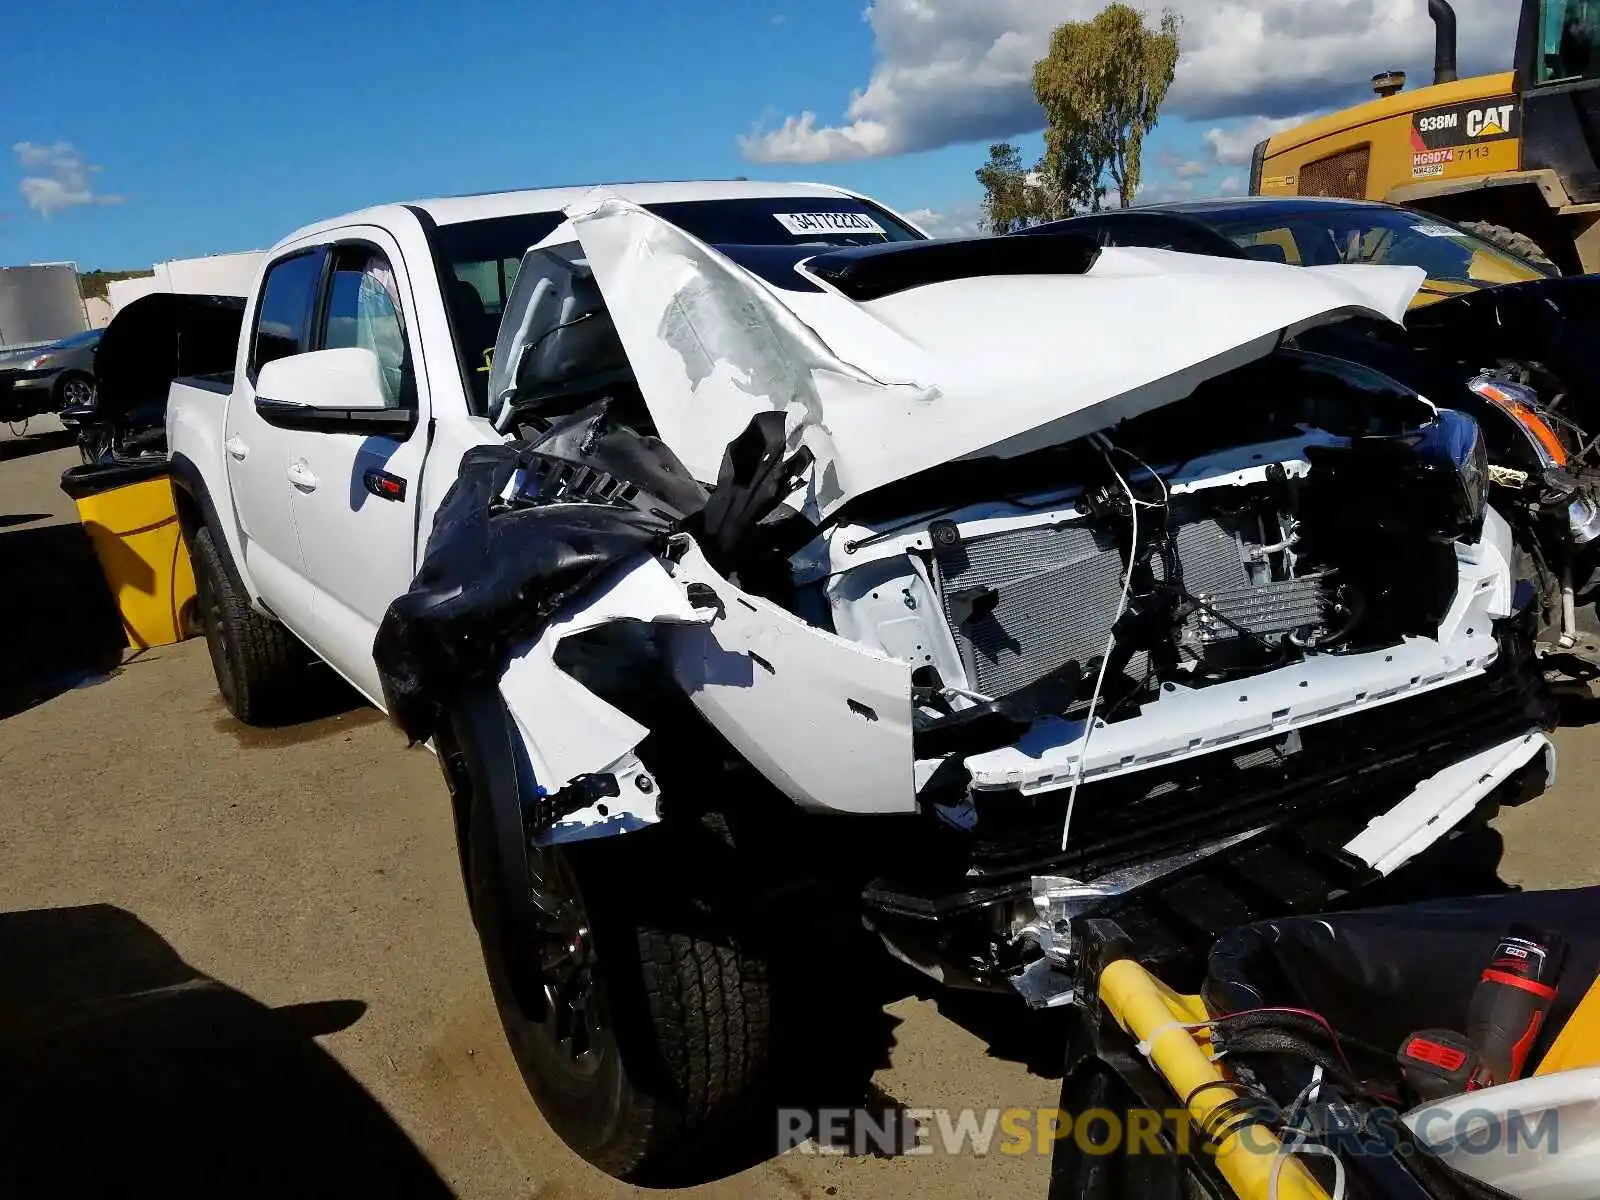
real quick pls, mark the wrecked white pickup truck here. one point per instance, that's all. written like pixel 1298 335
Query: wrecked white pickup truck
pixel 781 573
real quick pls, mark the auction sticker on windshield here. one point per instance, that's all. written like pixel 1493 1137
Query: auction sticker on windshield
pixel 801 224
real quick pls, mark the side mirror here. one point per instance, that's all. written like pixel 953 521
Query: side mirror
pixel 330 391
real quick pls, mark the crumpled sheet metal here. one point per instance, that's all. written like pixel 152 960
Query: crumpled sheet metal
pixel 884 389
pixel 529 528
pixel 497 570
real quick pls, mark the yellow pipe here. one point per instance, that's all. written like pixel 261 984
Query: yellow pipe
pixel 1142 1005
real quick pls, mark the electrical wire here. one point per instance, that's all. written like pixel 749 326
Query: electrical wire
pixel 1134 504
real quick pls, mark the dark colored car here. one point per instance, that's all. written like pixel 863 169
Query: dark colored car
pixel 47 379
pixel 1306 231
pixel 1489 334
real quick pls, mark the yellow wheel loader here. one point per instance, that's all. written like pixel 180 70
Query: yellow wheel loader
pixel 1511 156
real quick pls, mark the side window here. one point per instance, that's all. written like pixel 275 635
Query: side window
pixel 1569 31
pixel 363 311
pixel 283 319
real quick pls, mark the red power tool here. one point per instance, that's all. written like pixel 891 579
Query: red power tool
pixel 1508 1010
pixel 1513 998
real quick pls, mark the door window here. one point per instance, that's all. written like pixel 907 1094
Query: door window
pixel 1569 35
pixel 363 311
pixel 283 319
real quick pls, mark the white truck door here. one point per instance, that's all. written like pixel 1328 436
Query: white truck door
pixel 258 456
pixel 356 500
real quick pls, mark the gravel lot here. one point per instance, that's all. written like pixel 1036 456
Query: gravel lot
pixel 241 961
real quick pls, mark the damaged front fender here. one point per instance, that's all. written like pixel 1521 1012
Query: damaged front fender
pixel 581 748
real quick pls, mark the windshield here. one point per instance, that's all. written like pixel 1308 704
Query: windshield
pixel 484 256
pixel 1454 259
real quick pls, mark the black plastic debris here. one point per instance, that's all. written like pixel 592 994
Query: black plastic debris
pixel 529 526
pixel 508 551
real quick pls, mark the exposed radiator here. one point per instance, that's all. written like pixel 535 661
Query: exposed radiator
pixel 1023 602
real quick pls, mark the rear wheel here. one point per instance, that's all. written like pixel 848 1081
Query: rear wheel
pixel 259 665
pixel 1519 244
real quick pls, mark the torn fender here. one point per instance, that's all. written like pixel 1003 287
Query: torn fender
pixel 883 389
pixel 824 720
pixel 569 732
pixel 526 530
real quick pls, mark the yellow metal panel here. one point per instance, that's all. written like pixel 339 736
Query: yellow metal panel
pixel 1453 131
pixel 1579 1042
pixel 135 533
pixel 1401 104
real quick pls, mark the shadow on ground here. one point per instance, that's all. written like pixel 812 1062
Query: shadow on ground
pixel 61 623
pixel 38 443
pixel 125 1071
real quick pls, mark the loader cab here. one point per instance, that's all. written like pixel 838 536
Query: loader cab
pixel 1558 74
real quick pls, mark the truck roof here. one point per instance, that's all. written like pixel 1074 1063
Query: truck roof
pixel 453 210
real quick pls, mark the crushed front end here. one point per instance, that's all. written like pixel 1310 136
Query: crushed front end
pixel 1191 625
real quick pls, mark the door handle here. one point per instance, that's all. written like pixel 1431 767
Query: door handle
pixel 236 449
pixel 300 475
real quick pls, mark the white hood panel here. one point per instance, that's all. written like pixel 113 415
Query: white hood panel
pixel 885 389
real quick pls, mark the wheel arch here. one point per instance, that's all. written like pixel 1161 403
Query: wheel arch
pixel 196 508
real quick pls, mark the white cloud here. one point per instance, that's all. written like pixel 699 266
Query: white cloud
pixel 962 220
pixel 1231 185
pixel 1159 191
pixel 950 71
pixel 1234 144
pixel 1191 169
pixel 56 177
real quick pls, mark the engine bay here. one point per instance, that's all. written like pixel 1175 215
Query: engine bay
pixel 1173 559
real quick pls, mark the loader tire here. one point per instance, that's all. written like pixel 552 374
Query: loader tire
pixel 648 1051
pixel 260 666
pixel 1519 244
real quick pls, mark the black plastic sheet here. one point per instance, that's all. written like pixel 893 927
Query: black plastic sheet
pixel 497 569
pixel 594 492
pixel 1382 974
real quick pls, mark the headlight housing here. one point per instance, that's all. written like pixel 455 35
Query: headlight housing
pixel 1521 404
pixel 1451 451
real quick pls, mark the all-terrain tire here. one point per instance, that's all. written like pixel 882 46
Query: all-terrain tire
pixel 260 666
pixel 1519 244
pixel 678 1066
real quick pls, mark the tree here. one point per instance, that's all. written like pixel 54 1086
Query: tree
pixel 1101 87
pixel 1014 198
pixel 1005 189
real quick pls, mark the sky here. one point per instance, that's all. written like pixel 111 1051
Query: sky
pixel 134 131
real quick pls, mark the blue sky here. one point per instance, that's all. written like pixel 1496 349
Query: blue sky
pixel 212 127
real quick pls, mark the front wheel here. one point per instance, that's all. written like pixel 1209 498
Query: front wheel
pixel 74 390
pixel 645 1041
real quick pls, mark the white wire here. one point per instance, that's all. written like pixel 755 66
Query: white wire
pixel 1111 640
pixel 1301 1146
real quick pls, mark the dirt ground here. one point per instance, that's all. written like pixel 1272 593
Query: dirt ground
pixel 242 961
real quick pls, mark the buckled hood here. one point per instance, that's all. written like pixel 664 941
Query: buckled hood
pixel 920 369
